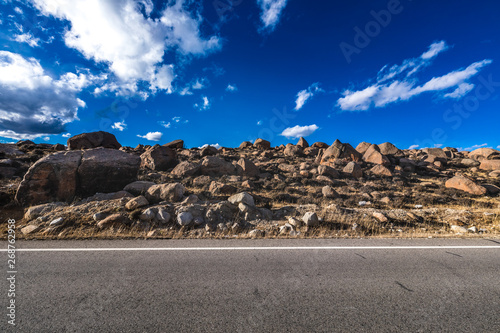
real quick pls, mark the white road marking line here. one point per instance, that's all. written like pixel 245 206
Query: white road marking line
pixel 465 247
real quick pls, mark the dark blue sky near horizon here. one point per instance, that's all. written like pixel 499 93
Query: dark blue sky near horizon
pixel 415 73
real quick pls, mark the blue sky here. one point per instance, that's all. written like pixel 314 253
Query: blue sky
pixel 415 73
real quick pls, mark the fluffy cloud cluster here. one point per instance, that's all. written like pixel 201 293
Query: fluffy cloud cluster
pixel 298 131
pixel 205 105
pixel 152 136
pixel 304 95
pixel 397 83
pixel 123 35
pixel 271 12
pixel 34 104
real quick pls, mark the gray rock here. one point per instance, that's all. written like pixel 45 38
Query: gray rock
pixel 310 219
pixel 57 222
pixel 139 187
pixel 136 202
pixel 184 218
pixel 165 192
pixel 148 215
pixel 242 197
pixel 163 216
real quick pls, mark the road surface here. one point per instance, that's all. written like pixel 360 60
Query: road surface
pixel 387 285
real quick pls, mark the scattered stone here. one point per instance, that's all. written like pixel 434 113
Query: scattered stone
pixel 458 229
pixel 138 187
pixel 465 184
pixel 136 202
pixel 148 215
pixel 380 217
pixel 31 228
pixel 373 155
pixel 329 192
pixel 57 222
pixel 247 168
pixel 242 197
pixel 165 192
pixel 186 169
pixel 114 220
pixel 353 169
pixel 184 219
pixel 256 233
pixel 216 166
pixel 326 170
pixel 163 216
pixel 381 170
pixel 310 219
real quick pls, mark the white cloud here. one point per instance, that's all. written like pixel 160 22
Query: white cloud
pixel 304 95
pixel 298 131
pixel 18 10
pixel 34 104
pixel 66 135
pixel 205 105
pixel 46 138
pixel 231 88
pixel 394 84
pixel 259 123
pixel 28 39
pixel 121 126
pixel 198 84
pixel 152 136
pixel 122 35
pixel 413 147
pixel 474 147
pixel 498 147
pixel 216 145
pixel 165 124
pixel 271 12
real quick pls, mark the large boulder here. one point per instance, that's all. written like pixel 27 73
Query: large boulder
pixel 166 192
pixel 484 154
pixel 437 152
pixel 339 150
pixel 293 151
pixel 353 169
pixel 262 144
pixel 216 166
pixel 373 155
pixel 64 175
pixel 303 143
pixel 247 168
pixel 159 158
pixel 388 148
pixel 93 140
pixel 106 170
pixel 176 144
pixel 186 169
pixel 245 144
pixel 52 178
pixel 465 184
pixel 489 164
pixel 363 147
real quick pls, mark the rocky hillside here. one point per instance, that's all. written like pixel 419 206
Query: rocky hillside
pixel 94 187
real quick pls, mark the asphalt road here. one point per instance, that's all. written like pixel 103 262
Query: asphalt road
pixel 257 286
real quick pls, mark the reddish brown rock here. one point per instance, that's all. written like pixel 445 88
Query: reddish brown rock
pixel 176 144
pixel 465 184
pixel 363 147
pixel 320 145
pixel 245 144
pixel 293 151
pixel 262 144
pixel 484 154
pixel 247 168
pixel 388 148
pixel 93 140
pixel 489 164
pixel 381 170
pixel 353 169
pixel 373 155
pixel 302 143
pixel 186 169
pixel 437 152
pixel 339 150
